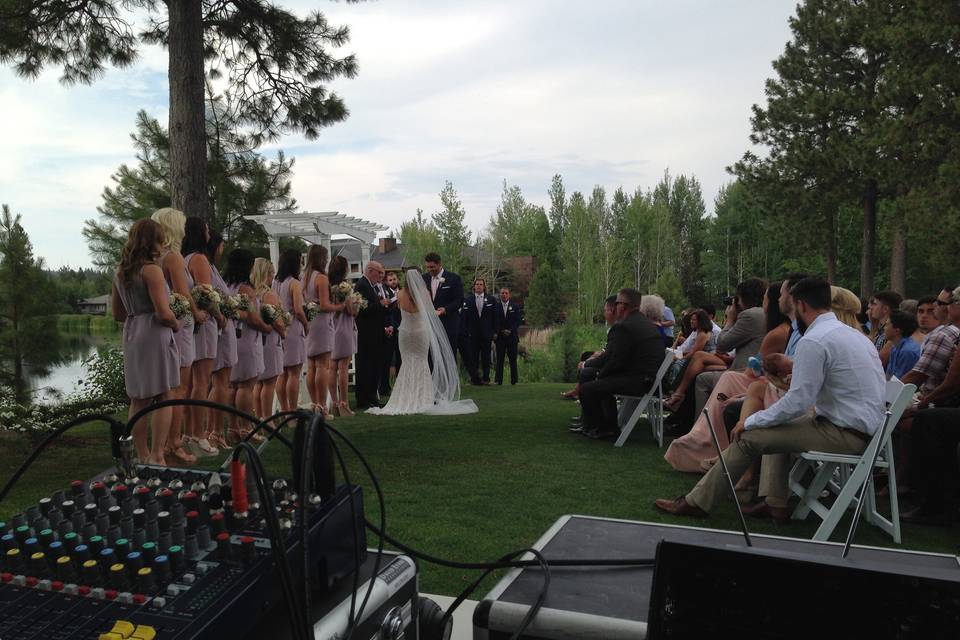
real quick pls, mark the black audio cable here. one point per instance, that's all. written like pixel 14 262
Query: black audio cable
pixel 299 618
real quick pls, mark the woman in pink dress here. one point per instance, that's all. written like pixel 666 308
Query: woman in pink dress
pixel 344 342
pixel 179 280
pixel 194 249
pixel 316 289
pixel 151 361
pixel 262 278
pixel 294 346
pixel 220 388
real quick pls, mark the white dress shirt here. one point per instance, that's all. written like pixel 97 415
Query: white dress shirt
pixel 435 283
pixel 479 303
pixel 837 371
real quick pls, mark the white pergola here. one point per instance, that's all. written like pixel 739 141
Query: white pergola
pixel 318 228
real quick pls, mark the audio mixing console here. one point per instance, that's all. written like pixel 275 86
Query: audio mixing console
pixel 170 554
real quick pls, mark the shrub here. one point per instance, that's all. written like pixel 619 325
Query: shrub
pixel 557 361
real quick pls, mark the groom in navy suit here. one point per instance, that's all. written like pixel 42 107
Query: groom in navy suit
pixel 446 291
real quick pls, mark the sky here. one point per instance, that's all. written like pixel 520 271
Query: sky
pixel 608 92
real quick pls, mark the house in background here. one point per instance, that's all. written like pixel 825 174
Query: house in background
pixel 98 306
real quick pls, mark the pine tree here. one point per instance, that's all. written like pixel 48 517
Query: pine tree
pixel 241 182
pixel 272 63
pixel 418 237
pixel 545 301
pixel 28 332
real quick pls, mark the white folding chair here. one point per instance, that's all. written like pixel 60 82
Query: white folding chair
pixel 632 408
pixel 844 475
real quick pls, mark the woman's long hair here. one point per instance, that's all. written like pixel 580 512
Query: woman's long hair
pixel 316 262
pixel 239 266
pixel 289 266
pixel 845 305
pixel 194 236
pixel 140 248
pixel 216 239
pixel 775 317
pixel 261 276
pixel 338 270
pixel 703 321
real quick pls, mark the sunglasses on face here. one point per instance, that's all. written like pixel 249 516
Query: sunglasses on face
pixel 942 303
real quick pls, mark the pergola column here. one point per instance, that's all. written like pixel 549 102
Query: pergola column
pixel 274 242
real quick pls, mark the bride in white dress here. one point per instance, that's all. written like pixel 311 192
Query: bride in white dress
pixel 422 339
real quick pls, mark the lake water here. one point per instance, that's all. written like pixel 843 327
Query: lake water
pixel 64 376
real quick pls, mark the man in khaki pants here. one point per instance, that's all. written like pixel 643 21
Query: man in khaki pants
pixel 836 370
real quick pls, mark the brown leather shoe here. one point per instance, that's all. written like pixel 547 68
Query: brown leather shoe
pixel 679 507
pixel 761 509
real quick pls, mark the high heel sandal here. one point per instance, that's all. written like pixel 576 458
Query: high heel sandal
pixel 180 454
pixel 334 409
pixel 673 402
pixel 345 409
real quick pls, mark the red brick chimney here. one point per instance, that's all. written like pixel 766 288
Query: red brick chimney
pixel 387 244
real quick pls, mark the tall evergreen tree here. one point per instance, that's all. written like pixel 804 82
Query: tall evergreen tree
pixel 241 182
pixel 272 63
pixel 419 237
pixel 28 332
pixel 451 230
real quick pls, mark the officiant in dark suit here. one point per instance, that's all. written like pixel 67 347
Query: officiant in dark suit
pixel 510 315
pixel 370 335
pixel 446 291
pixel 482 323
pixel 627 365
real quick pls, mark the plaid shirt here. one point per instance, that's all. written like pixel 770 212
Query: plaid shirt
pixel 881 338
pixel 938 348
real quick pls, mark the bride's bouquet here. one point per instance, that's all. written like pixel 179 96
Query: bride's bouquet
pixel 311 310
pixel 179 305
pixel 269 313
pixel 342 291
pixel 359 302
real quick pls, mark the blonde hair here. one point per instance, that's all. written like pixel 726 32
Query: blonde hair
pixel 260 275
pixel 172 221
pixel 845 305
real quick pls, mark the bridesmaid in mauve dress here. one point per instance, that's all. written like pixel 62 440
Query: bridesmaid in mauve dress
pixel 261 278
pixel 151 361
pixel 196 243
pixel 294 346
pixel 252 329
pixel 179 280
pixel 221 390
pixel 344 342
pixel 316 288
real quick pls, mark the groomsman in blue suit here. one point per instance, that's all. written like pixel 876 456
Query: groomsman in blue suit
pixel 483 324
pixel 446 291
pixel 510 315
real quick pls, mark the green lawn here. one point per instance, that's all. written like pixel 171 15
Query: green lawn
pixel 474 487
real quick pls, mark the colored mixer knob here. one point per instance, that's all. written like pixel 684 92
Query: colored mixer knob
pixel 193 519
pixel 96 544
pixel 77 488
pixel 122 546
pixel 71 540
pixel 120 492
pixel 118 577
pixel 217 525
pixel 175 556
pixel 46 537
pixel 191 500
pixel 161 569
pixel 23 533
pixel 13 560
pixel 107 557
pixel 149 551
pixel 223 546
pixel 81 553
pixel 98 489
pixel 55 550
pixel 38 563
pixel 248 551
pixel 142 494
pixel 166 497
pixel 145 580
pixel 30 546
pixel 90 573
pixel 64 569
pixel 8 541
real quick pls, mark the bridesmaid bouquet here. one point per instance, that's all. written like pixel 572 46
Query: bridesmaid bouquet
pixel 287 319
pixel 343 291
pixel 359 302
pixel 311 310
pixel 179 305
pixel 205 296
pixel 233 306
pixel 269 313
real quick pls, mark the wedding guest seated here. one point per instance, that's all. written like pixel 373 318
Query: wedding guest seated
pixel 882 304
pixel 692 450
pixel 684 335
pixel 910 306
pixel 836 371
pixel 609 317
pixel 926 318
pixel 743 332
pixel 904 350
pixel 627 365
pixel 938 347
pixel 653 307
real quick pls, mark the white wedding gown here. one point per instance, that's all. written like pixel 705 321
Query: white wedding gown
pixel 417 388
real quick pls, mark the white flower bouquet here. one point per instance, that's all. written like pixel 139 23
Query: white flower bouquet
pixel 269 313
pixel 359 302
pixel 343 291
pixel 205 297
pixel 179 305
pixel 311 310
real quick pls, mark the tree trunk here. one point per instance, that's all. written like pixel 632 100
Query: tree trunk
pixel 188 137
pixel 898 258
pixel 831 247
pixel 868 257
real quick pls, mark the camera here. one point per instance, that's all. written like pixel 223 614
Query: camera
pixel 728 301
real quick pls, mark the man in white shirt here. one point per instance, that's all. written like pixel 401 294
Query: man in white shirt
pixel 837 370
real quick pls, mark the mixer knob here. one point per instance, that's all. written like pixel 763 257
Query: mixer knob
pixel 134 562
pixel 115 513
pixel 203 537
pixel 78 520
pixel 122 547
pixel 223 547
pixel 176 513
pixel 176 484
pixel 17 521
pixel 107 558
pixel 98 489
pixel 154 483
pixel 248 550
pixel 139 518
pixel 90 512
pixel 46 537
pixel 191 501
pixel 163 519
pixel 55 550
pixel 30 546
pixel 71 540
pixel 217 523
pixel 120 492
pixel 142 494
pixel 55 517
pixel 193 518
pixel 81 553
pixel 22 533
pixel 166 497
pixel 90 573
pixel 145 581
pixel 161 568
pixel 178 533
pixel 214 501
pixel 8 541
pixel 149 552
pixel 190 548
pixel 64 527
pixel 13 560
pixel 33 514
pixel 175 556
pixel 152 529
pixel 68 507
pixel 38 563
pixel 45 505
pixel 118 577
pixel 96 544
pixel 113 534
pixel 77 488
pixel 152 507
pixel 165 541
pixel 126 526
pixel 64 569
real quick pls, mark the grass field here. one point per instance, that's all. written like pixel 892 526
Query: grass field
pixel 475 487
